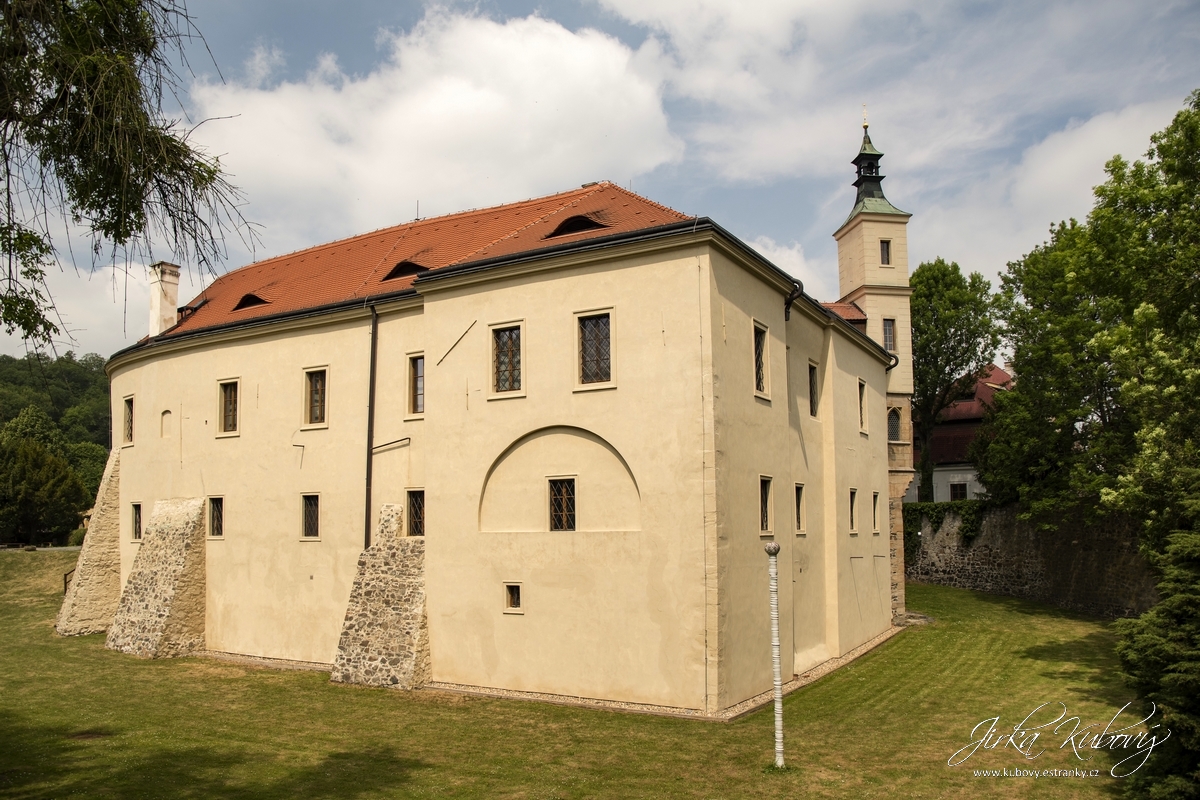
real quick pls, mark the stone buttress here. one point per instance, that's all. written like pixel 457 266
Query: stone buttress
pixel 91 599
pixel 161 612
pixel 385 636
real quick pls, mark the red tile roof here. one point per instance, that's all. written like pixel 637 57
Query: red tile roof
pixel 355 268
pixel 847 311
pixel 985 389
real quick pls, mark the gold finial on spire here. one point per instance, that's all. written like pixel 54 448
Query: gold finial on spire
pixel 864 116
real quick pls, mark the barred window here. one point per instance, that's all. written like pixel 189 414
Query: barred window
pixel 137 520
pixel 229 407
pixel 595 349
pixel 216 517
pixel 812 389
pixel 889 335
pixel 760 355
pixel 312 516
pixel 894 425
pixel 507 355
pixel 416 512
pixel 315 381
pixel 128 434
pixel 885 251
pixel 416 385
pixel 562 504
pixel 764 503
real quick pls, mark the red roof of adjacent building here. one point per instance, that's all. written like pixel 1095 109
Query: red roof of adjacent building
pixel 986 387
pixel 847 311
pixel 358 267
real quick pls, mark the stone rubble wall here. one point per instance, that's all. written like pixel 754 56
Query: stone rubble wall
pixel 161 612
pixel 1096 569
pixel 385 636
pixel 95 588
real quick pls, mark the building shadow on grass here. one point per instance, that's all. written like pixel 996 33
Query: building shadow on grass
pixel 1097 671
pixel 48 762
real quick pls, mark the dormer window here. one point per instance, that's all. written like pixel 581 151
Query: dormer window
pixel 576 224
pixel 249 300
pixel 403 269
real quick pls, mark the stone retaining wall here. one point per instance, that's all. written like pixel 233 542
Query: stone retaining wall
pixel 1091 568
pixel 95 589
pixel 161 612
pixel 385 636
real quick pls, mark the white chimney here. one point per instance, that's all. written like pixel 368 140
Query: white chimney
pixel 164 296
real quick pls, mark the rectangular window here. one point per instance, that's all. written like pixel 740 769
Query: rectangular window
pixel 812 389
pixel 312 516
pixel 416 512
pixel 595 349
pixel 416 385
pixel 889 335
pixel 862 405
pixel 893 424
pixel 216 517
pixel 229 407
pixel 875 511
pixel 507 358
pixel 764 504
pixel 137 521
pixel 314 381
pixel 128 430
pixel 853 510
pixel 958 491
pixel 512 597
pixel 562 504
pixel 760 359
pixel 885 251
pixel 799 507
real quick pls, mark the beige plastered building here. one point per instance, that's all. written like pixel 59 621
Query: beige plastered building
pixel 594 431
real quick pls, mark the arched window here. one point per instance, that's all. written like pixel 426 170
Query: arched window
pixel 893 424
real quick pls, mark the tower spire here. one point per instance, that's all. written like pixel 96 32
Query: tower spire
pixel 868 179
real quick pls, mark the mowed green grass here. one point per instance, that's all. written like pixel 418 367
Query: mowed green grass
pixel 78 720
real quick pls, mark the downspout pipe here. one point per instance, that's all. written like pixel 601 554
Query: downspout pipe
pixel 797 290
pixel 895 361
pixel 370 426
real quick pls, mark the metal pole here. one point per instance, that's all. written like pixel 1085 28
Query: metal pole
pixel 772 549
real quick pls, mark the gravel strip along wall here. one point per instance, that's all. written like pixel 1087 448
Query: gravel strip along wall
pixel 1095 569
pixel 161 613
pixel 91 599
pixel 385 637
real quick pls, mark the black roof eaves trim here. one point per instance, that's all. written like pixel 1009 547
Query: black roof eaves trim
pixel 312 311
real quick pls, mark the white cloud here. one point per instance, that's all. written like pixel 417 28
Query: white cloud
pixel 820 279
pixel 464 112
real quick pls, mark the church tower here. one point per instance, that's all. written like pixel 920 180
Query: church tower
pixel 873 274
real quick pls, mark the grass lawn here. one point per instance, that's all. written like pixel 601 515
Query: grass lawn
pixel 78 720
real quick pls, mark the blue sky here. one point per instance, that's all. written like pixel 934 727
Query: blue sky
pixel 996 118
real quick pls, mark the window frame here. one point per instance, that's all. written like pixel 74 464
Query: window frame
pixel 801 511
pixel 136 524
pixel 886 326
pixel 306 405
pixel 966 490
pixel 128 431
pixel 757 328
pixel 304 537
pixel 766 505
pixel 885 253
pixel 209 526
pixel 574 512
pixel 875 513
pixel 862 406
pixel 853 511
pixel 222 433
pixel 409 516
pixel 814 390
pixel 520 391
pixel 410 385
pixel 577 322
pixel 519 608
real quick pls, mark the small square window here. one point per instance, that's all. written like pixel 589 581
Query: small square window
pixel 416 512
pixel 512 597
pixel 312 516
pixel 216 517
pixel 885 252
pixel 800 507
pixel 889 335
pixel 764 504
pixel 853 510
pixel 506 359
pixel 813 389
pixel 128 429
pixel 315 384
pixel 229 407
pixel 760 359
pixel 875 511
pixel 137 522
pixel 562 504
pixel 416 385
pixel 958 491
pixel 595 349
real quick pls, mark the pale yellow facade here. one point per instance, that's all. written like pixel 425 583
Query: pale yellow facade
pixel 659 595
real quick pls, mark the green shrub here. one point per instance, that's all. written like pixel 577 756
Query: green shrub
pixel 41 497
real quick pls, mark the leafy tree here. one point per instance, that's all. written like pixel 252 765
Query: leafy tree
pixel 73 391
pixel 84 140
pixel 87 459
pixel 954 340
pixel 41 498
